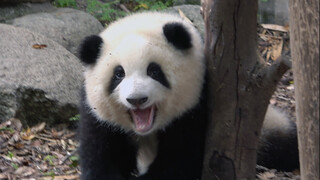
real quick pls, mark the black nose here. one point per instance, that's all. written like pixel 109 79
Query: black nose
pixel 137 101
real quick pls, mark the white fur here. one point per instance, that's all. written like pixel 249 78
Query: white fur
pixel 276 121
pixel 134 42
pixel 147 152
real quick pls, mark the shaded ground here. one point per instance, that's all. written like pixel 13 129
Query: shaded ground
pixel 49 152
pixel 37 153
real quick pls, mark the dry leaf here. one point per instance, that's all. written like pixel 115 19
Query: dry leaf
pixel 39 46
pixel 24 171
pixel 61 177
pixel 276 49
pixel 276 27
pixel 268 55
pixel 19 145
pixel 27 135
pixel 57 134
pixel 38 128
pixel 184 16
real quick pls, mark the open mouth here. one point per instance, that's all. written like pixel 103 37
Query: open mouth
pixel 143 118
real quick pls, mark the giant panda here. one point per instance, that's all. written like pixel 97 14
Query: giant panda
pixel 143 114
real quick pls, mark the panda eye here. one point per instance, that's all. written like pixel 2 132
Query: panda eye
pixel 118 73
pixel 153 70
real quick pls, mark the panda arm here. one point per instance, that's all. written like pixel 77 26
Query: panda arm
pixel 180 152
pixel 104 152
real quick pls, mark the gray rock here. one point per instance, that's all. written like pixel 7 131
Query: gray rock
pixel 66 26
pixel 36 84
pixel 193 13
pixel 22 1
pixel 180 2
pixel 7 13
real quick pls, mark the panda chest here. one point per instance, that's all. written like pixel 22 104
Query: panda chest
pixel 146 153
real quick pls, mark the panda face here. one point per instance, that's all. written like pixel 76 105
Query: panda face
pixel 141 93
pixel 145 75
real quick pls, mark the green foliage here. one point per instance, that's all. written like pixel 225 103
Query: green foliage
pixel 74 160
pixel 152 4
pixel 49 159
pixel 104 11
pixel 14 165
pixel 7 129
pixel 75 118
pixel 65 3
pixel 109 11
pixel 50 173
pixel 10 155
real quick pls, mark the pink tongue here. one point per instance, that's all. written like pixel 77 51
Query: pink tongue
pixel 143 119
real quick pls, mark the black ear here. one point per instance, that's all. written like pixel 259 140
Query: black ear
pixel 177 35
pixel 90 49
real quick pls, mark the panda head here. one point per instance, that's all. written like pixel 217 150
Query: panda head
pixel 143 71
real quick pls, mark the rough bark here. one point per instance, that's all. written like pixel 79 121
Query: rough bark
pixel 239 85
pixel 304 34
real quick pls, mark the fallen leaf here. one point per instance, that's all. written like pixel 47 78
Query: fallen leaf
pixel 27 137
pixel 19 145
pixel 61 177
pixel 277 49
pixel 29 134
pixel 276 27
pixel 24 171
pixel 38 128
pixel 184 16
pixel 39 46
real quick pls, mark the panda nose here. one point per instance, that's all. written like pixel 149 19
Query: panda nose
pixel 137 101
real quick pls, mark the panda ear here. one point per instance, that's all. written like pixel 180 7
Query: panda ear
pixel 90 49
pixel 177 35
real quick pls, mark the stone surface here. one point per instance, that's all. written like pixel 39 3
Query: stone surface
pixel 36 84
pixel 180 2
pixel 12 2
pixel 7 13
pixel 193 13
pixel 66 26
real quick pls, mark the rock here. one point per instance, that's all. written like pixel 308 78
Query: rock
pixel 66 26
pixel 7 13
pixel 12 2
pixel 39 79
pixel 193 13
pixel 180 2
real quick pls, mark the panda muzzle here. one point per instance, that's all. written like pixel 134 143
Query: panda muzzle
pixel 143 118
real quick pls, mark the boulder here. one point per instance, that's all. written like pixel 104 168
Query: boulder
pixel 66 26
pixel 192 12
pixel 180 2
pixel 7 13
pixel 39 79
pixel 22 1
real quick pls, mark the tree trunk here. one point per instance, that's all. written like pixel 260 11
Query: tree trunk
pixel 304 33
pixel 239 87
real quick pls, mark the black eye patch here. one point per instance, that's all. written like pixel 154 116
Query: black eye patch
pixel 155 72
pixel 118 75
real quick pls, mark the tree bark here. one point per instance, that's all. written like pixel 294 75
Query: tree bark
pixel 304 34
pixel 239 87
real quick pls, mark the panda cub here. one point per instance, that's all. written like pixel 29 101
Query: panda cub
pixel 142 107
pixel 140 111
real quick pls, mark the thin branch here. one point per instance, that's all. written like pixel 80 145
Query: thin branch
pixel 276 71
pixel 124 8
